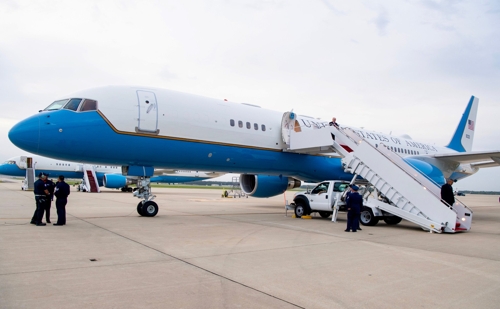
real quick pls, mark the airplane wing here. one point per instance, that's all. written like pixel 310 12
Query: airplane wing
pixel 479 159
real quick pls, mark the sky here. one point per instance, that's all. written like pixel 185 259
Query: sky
pixel 397 67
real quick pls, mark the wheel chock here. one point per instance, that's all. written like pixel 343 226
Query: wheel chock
pixel 307 217
pixel 294 216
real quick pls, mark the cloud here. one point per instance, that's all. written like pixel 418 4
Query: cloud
pixel 381 21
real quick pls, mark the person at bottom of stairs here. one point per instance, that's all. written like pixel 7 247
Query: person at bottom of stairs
pixel 354 204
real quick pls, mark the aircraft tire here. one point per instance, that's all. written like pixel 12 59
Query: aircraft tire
pixel 392 220
pixel 324 214
pixel 150 209
pixel 139 209
pixel 367 218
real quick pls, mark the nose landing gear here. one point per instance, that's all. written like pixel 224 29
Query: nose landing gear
pixel 146 207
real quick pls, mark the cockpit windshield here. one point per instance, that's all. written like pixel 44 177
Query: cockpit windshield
pixel 56 105
pixel 10 162
pixel 74 104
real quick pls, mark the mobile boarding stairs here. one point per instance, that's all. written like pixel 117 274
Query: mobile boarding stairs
pixel 411 195
pixel 89 182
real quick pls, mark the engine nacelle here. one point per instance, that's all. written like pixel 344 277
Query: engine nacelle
pixel 427 169
pixel 115 181
pixel 266 186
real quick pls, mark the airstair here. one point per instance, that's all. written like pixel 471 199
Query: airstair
pixel 90 182
pixel 29 179
pixel 412 196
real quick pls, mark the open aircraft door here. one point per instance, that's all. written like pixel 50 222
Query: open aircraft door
pixel 148 112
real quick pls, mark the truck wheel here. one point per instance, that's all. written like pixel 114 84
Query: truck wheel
pixel 392 220
pixel 324 214
pixel 299 209
pixel 367 218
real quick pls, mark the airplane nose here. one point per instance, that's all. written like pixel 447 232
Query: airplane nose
pixel 26 134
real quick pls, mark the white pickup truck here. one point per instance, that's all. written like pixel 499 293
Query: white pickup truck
pixel 328 195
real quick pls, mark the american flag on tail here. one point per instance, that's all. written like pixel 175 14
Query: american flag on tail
pixel 470 125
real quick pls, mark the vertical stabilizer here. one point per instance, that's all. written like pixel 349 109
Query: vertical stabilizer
pixel 464 134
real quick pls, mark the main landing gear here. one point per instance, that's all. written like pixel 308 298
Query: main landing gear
pixel 146 207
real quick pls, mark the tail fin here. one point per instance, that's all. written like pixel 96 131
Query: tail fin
pixel 464 134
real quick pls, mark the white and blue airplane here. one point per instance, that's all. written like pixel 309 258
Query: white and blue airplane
pixel 108 176
pixel 146 128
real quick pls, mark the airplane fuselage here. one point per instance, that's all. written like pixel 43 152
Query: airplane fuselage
pixel 168 129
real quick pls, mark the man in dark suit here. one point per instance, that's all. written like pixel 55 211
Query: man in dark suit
pixel 41 196
pixel 354 204
pixel 49 186
pixel 61 192
pixel 334 123
pixel 447 192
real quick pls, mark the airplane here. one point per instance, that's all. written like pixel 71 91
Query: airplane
pixel 146 128
pixel 108 176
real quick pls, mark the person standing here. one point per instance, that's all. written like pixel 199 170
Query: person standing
pixel 41 194
pixel 61 192
pixel 49 185
pixel 354 204
pixel 334 123
pixel 447 192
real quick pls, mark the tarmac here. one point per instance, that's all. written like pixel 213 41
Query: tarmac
pixel 204 251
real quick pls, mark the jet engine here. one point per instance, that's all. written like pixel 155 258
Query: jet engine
pixel 115 181
pixel 266 186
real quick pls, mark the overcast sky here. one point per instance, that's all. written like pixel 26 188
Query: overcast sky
pixel 406 67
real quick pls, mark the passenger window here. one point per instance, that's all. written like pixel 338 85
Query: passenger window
pixel 56 105
pixel 263 127
pixel 249 125
pixel 256 126
pixel 240 123
pixel 73 104
pixel 89 105
pixel 231 122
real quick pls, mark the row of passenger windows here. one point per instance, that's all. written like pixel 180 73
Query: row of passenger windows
pixel 405 151
pixel 248 125
pixel 63 164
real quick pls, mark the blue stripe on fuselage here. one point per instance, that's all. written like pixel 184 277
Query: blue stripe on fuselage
pixel 11 170
pixel 87 136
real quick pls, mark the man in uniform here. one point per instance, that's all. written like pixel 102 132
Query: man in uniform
pixel 40 195
pixel 61 192
pixel 354 204
pixel 447 192
pixel 49 185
